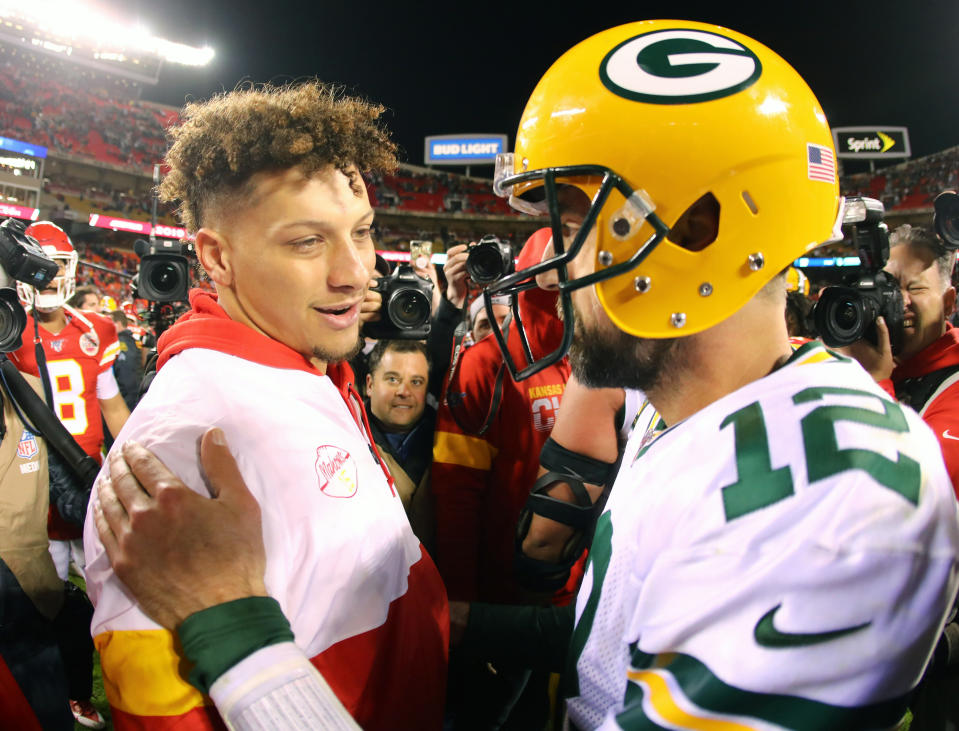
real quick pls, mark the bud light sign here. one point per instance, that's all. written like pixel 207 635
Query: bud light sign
pixel 477 149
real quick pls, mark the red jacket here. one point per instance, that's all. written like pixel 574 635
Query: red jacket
pixel 941 410
pixel 480 483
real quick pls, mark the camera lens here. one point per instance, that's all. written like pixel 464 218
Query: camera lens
pixel 488 261
pixel 165 277
pixel 842 315
pixel 946 219
pixel 409 308
pixel 845 316
pixel 12 321
pixel 845 320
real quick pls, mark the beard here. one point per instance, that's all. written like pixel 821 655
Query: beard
pixel 329 355
pixel 610 358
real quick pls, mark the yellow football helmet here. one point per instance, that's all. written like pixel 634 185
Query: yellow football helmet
pixel 796 281
pixel 649 118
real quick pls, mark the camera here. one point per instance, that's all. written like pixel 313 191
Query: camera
pixel 407 305
pixel 847 313
pixel 946 219
pixel 21 259
pixel 489 259
pixel 164 272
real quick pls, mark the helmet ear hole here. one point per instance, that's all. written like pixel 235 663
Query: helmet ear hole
pixel 698 227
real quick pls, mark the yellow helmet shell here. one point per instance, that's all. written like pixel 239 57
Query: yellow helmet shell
pixel 680 109
pixel 796 281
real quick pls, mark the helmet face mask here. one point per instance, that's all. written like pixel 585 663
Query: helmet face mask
pixel 648 120
pixel 55 244
pixel 630 210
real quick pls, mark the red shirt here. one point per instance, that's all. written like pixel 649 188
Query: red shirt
pixel 76 356
pixel 480 483
pixel 941 410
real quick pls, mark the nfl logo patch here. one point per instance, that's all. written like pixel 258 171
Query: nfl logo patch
pixel 27 448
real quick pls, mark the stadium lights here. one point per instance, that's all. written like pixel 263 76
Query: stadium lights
pixel 77 20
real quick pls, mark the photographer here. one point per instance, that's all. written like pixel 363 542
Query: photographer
pixel 924 373
pixel 33 682
pixel 46 654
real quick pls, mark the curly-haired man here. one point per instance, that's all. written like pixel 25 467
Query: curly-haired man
pixel 269 181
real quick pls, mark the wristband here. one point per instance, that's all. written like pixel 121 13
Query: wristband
pixel 216 639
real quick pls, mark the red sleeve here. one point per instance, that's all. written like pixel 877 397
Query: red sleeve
pixel 942 416
pixel 462 462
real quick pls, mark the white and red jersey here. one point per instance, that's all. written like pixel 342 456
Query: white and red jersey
pixel 365 602
pixel 76 356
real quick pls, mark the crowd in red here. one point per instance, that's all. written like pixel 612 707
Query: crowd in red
pixel 88 114
pixel 73 110
pixel 910 185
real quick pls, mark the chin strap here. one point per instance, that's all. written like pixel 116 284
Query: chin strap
pixel 575 470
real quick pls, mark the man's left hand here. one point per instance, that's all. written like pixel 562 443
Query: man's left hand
pixel 177 551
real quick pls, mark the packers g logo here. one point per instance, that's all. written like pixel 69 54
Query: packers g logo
pixel 681 66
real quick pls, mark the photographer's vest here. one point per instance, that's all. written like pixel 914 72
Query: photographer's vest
pixel 24 497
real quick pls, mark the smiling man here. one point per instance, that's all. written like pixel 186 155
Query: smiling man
pixel 269 182
pixel 784 553
pixel 402 425
pixel 925 372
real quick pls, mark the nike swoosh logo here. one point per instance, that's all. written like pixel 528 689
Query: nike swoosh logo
pixel 767 635
pixel 947 435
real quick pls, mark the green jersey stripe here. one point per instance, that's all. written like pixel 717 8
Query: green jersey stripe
pixel 710 693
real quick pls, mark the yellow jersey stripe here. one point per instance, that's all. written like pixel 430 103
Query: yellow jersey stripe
pixel 661 699
pixel 817 356
pixel 463 450
pixel 110 354
pixel 147 665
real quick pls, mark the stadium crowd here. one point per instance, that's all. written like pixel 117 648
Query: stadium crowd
pixel 909 185
pixel 70 110
pixel 527 519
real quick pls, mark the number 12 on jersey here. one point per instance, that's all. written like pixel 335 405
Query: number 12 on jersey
pixel 759 484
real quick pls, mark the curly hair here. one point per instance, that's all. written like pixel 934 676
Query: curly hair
pixel 221 143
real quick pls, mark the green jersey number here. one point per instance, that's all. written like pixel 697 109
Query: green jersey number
pixel 759 485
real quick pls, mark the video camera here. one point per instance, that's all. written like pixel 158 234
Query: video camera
pixel 407 305
pixel 847 313
pixel 21 259
pixel 945 219
pixel 164 271
pixel 489 259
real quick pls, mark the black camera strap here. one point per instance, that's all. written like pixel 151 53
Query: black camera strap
pixel 41 357
pixel 38 417
pixel 916 392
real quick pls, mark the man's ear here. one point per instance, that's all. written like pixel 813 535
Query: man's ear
pixel 949 301
pixel 369 382
pixel 214 254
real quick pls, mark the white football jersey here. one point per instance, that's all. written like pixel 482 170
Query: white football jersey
pixel 783 558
